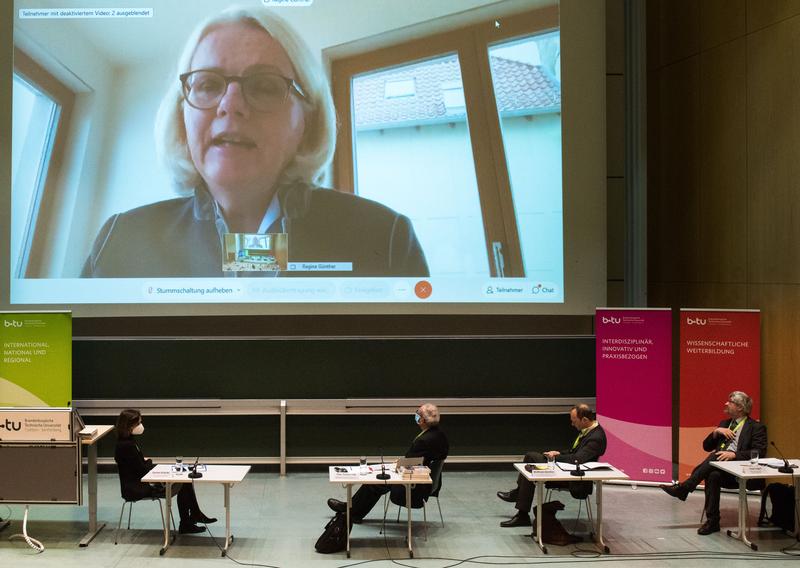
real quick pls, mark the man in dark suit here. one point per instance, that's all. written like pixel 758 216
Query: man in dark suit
pixel 733 439
pixel 430 444
pixel 588 446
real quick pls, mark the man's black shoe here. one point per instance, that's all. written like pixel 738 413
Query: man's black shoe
pixel 201 518
pixel 677 490
pixel 337 506
pixel 508 496
pixel 190 528
pixel 519 520
pixel 708 528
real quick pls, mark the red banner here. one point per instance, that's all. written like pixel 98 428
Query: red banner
pixel 634 390
pixel 719 353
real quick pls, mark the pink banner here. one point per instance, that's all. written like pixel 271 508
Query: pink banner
pixel 634 390
pixel 720 352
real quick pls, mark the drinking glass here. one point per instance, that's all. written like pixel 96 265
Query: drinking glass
pixel 551 463
pixel 179 464
pixel 753 457
pixel 363 470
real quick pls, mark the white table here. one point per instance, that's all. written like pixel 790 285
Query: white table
pixel 348 480
pixel 742 471
pixel 227 475
pixel 91 443
pixel 540 477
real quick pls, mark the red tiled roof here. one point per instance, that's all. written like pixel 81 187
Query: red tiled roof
pixel 519 87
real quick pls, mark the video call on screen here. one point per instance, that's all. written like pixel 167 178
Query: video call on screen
pixel 440 181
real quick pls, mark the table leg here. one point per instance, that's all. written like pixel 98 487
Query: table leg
pixel 796 505
pixel 742 534
pixel 539 514
pixel 408 506
pixel 347 519
pixel 167 517
pixel 228 535
pixel 92 470
pixel 599 531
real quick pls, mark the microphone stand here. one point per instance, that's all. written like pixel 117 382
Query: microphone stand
pixel 193 473
pixel 383 476
pixel 785 468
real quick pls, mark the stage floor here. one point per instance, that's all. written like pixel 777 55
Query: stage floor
pixel 276 522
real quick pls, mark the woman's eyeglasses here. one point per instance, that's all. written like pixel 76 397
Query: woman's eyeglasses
pixel 263 91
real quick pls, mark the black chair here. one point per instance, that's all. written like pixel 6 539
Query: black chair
pixel 579 490
pixel 130 500
pixel 436 467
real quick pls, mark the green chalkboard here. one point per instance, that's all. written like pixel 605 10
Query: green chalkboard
pixel 334 368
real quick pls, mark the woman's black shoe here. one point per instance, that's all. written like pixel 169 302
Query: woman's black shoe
pixel 190 528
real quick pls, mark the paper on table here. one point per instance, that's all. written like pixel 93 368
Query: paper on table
pixel 591 466
pixel 771 462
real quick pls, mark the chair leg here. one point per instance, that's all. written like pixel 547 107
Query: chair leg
pixel 439 504
pixel 425 518
pixel 591 517
pixel 130 510
pixel 119 523
pixel 398 513
pixel 578 516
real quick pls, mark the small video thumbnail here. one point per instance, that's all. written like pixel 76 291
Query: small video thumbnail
pixel 249 252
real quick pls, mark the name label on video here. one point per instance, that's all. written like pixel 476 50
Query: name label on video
pixel 320 267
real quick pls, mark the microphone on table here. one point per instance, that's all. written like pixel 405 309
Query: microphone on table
pixel 577 472
pixel 193 473
pixel 382 475
pixel 785 468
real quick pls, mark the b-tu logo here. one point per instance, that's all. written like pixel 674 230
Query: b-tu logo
pixel 696 321
pixel 611 319
pixel 12 323
pixel 11 425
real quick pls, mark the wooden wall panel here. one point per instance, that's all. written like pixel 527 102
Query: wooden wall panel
pixel 679 21
pixel 722 245
pixel 674 201
pixel 763 13
pixel 721 21
pixel 693 295
pixel 748 167
pixel 773 153
pixel 780 361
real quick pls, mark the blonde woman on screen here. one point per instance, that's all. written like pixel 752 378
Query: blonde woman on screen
pixel 247 128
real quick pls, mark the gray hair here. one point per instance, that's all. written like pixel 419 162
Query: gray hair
pixel 740 398
pixel 319 138
pixel 430 414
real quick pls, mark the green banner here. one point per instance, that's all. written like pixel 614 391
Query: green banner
pixel 36 363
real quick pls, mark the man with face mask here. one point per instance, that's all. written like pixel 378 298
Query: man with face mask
pixel 430 444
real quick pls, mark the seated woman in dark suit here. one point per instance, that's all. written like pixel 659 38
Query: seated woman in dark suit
pixel 133 466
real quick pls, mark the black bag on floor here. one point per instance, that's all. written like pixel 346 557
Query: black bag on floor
pixel 781 497
pixel 334 537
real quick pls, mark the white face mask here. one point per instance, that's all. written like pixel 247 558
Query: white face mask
pixel 138 430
